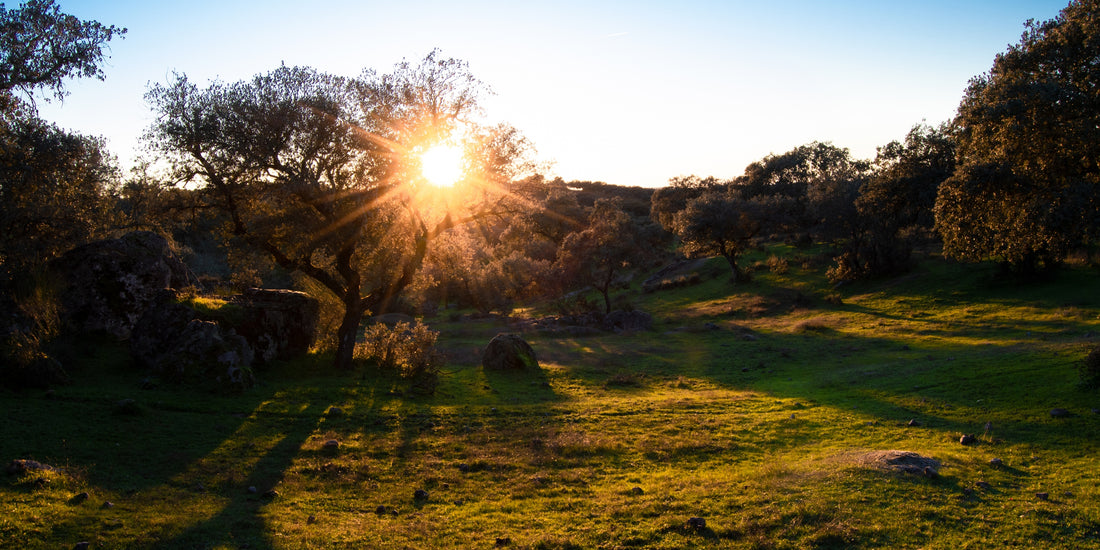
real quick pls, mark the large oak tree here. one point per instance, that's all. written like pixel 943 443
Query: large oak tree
pixel 320 172
pixel 1025 191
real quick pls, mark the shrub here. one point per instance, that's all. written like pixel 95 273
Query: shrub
pixel 408 350
pixel 1089 369
pixel 777 265
pixel 32 320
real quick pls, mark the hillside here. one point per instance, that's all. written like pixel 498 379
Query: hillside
pixel 748 417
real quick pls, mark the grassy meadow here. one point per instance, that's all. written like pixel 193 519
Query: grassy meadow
pixel 752 407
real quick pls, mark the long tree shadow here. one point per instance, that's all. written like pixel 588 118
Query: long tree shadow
pixel 240 522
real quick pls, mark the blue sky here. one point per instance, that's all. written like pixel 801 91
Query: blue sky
pixel 630 93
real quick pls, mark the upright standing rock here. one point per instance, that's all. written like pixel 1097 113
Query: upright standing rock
pixel 508 351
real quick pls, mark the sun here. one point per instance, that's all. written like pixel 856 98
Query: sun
pixel 442 165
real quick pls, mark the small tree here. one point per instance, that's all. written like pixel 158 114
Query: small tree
pixel 723 223
pixel 603 250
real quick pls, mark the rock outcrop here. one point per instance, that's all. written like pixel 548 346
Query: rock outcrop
pixel 277 324
pixel 110 283
pixel 176 343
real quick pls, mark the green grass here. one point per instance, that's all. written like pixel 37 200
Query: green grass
pixel 755 422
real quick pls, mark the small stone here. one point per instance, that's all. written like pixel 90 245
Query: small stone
pixel 331 445
pixel 335 411
pixel 996 462
pixel 420 494
pixel 380 510
pixel 1068 494
pixel 148 384
pixel 464 468
pixel 1042 496
pixel 83 545
pixel 269 495
pixel 983 485
pixel 79 498
pixel 1096 411
pixel 696 523
pixel 311 520
pixel 913 423
pixel 108 505
pixel 503 541
pixel 637 491
pixel 252 489
pixel 1059 413
pixel 968 439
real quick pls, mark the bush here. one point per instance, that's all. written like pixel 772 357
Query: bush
pixel 1089 369
pixel 778 266
pixel 408 350
pixel 32 320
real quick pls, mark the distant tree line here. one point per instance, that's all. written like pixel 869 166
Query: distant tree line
pixel 1014 178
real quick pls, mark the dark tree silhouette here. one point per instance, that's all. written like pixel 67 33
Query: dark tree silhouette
pixel 320 172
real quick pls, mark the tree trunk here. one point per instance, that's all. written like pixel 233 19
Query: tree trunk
pixel 346 334
pixel 737 274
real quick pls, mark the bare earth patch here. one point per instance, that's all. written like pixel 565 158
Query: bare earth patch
pixel 898 461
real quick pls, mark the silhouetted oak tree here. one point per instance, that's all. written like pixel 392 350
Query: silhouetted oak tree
pixel 319 171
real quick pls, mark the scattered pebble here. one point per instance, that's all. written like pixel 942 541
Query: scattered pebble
pixel 271 494
pixel 968 439
pixel 420 494
pixel 108 505
pixel 331 445
pixel 79 498
pixel 996 462
pixel 311 520
pixel 913 423
pixel 637 491
pixel 696 523
pixel 983 485
pixel 503 541
pixel 252 489
pixel 335 411
pixel 1059 413
pixel 84 545
pixel 1042 496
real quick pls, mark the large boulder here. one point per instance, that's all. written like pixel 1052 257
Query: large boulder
pixel 277 324
pixel 508 351
pixel 110 283
pixel 176 343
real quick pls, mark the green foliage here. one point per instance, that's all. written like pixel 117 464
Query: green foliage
pixel 40 47
pixel 894 210
pixel 604 249
pixel 408 350
pixel 723 222
pixel 1025 192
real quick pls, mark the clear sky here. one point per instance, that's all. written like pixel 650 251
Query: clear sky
pixel 629 93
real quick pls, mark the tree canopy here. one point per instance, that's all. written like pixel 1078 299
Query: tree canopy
pixel 40 47
pixel 1025 191
pixel 320 172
